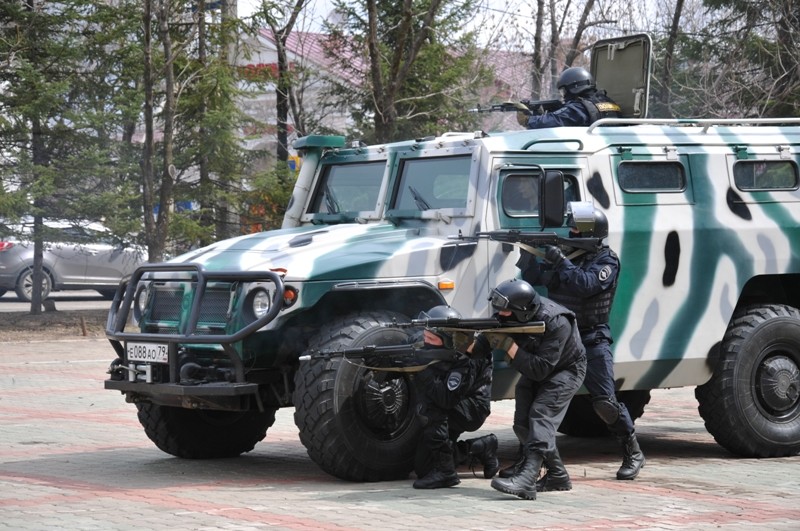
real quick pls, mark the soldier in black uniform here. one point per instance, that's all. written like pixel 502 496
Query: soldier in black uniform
pixel 453 398
pixel 551 366
pixel 586 284
pixel 584 104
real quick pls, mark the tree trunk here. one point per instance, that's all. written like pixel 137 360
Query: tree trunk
pixel 155 252
pixel 669 52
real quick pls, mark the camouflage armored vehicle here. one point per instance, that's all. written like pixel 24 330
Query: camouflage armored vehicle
pixel 704 214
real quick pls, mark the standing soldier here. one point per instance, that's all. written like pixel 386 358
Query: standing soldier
pixel 586 285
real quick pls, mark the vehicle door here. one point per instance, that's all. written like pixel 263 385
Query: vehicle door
pixel 65 253
pixel 108 259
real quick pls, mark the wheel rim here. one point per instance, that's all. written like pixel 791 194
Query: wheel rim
pixel 382 404
pixel 777 383
pixel 27 285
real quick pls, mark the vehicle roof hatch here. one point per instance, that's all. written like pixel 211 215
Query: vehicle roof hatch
pixel 621 66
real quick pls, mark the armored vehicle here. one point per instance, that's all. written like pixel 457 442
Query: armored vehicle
pixel 704 214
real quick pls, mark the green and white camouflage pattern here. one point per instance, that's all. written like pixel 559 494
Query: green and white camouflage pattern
pixel 704 215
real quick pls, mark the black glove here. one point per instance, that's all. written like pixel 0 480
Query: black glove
pixel 554 255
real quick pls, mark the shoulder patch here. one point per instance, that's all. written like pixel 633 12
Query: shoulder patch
pixel 453 380
pixel 605 273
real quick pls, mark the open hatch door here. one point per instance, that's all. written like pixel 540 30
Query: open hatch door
pixel 621 66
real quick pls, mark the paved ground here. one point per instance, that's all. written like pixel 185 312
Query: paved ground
pixel 73 456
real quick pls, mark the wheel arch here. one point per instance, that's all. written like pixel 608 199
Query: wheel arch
pixel 769 289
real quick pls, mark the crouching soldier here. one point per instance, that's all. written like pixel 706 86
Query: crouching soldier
pixel 453 398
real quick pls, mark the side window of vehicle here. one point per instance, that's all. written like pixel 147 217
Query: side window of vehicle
pixel 520 194
pixel 651 176
pixel 753 175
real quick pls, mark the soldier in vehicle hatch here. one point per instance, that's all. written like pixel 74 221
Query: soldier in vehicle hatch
pixel 584 104
pixel 586 284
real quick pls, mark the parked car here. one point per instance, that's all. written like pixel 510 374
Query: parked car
pixel 76 256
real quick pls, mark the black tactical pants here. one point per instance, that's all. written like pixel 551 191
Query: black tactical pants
pixel 540 407
pixel 600 382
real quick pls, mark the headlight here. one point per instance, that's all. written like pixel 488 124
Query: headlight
pixel 261 301
pixel 140 302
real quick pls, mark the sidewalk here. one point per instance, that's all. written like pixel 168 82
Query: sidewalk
pixel 73 456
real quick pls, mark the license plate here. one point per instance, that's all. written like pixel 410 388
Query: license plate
pixel 150 352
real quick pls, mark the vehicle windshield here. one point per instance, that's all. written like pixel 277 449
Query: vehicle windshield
pixel 349 188
pixel 433 183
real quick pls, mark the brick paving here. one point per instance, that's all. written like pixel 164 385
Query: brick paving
pixel 73 456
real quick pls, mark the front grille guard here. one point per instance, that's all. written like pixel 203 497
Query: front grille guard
pixel 124 297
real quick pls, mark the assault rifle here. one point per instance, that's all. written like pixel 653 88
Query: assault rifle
pixel 476 325
pixel 389 358
pixel 526 106
pixel 533 241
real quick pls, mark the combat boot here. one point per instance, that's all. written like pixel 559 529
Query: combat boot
pixel 556 477
pixel 632 458
pixel 523 483
pixel 509 471
pixel 443 474
pixel 484 449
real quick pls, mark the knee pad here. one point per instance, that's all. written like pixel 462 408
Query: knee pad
pixel 607 408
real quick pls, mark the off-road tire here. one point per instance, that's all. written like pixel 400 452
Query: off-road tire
pixel 582 421
pixel 751 404
pixel 349 428
pixel 203 434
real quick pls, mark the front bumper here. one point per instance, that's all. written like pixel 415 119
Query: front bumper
pixel 170 380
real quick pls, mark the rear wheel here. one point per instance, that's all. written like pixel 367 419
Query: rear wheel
pixel 203 434
pixel 357 424
pixel 24 287
pixel 582 421
pixel 751 404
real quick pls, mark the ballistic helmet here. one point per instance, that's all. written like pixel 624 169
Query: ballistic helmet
pixel 575 81
pixel 518 296
pixel 442 311
pixel 597 226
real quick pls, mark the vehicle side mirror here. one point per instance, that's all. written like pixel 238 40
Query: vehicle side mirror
pixel 551 200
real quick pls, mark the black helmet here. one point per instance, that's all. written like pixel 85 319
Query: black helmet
pixel 518 296
pixel 597 229
pixel 575 81
pixel 442 311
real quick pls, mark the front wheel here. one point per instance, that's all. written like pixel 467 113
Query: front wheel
pixel 356 424
pixel 203 434
pixel 751 404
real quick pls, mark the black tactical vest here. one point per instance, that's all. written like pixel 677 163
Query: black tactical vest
pixel 590 311
pixel 599 105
